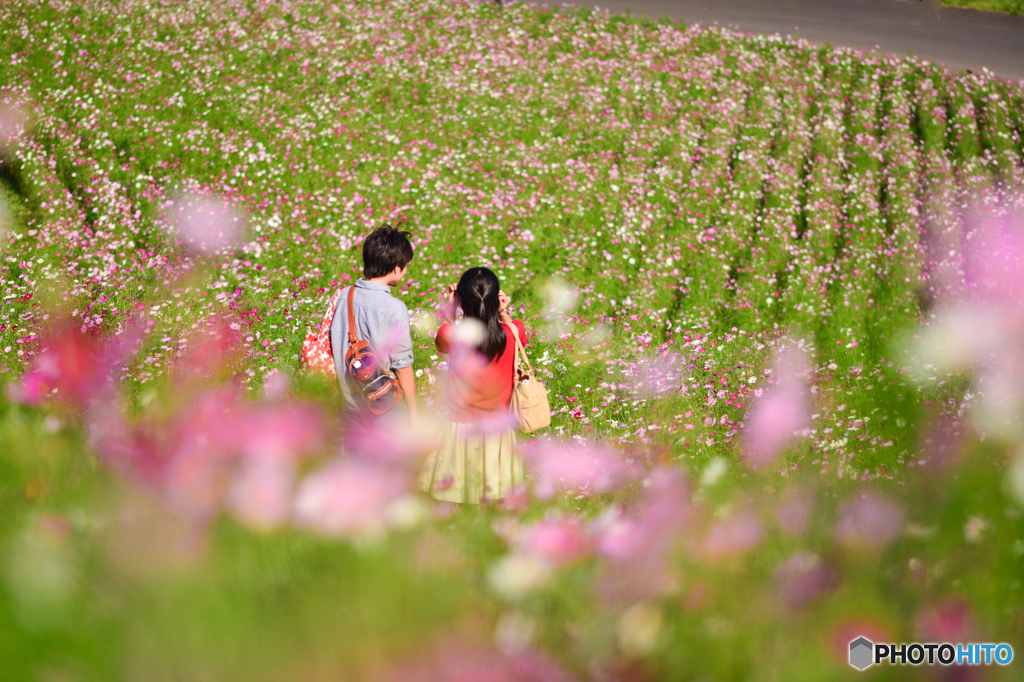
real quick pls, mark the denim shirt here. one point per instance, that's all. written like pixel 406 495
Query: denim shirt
pixel 381 319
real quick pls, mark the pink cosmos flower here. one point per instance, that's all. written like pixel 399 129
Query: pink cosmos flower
pixel 559 467
pixel 464 360
pixel 947 621
pixel 260 493
pixel 648 532
pixel 276 385
pixel 984 326
pixel 995 259
pixel 13 120
pixel 128 450
pixel 561 541
pixel 783 410
pixel 195 475
pixel 496 423
pixel 516 501
pixel 740 532
pixel 869 521
pixel 349 498
pixel 209 351
pixel 270 441
pixel 270 431
pixel 220 450
pixel 639 545
pixel 803 578
pixel 390 438
pixel 187 456
pixel 793 512
pixel 31 390
pixel 618 538
pixel 205 223
pixel 78 366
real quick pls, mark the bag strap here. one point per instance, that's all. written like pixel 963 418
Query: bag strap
pixel 353 337
pixel 329 313
pixel 520 351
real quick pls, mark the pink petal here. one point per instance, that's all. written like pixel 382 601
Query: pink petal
pixel 869 521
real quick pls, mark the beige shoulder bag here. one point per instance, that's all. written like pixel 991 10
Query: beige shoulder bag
pixel 529 397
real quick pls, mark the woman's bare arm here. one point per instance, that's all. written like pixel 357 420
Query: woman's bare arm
pixel 503 301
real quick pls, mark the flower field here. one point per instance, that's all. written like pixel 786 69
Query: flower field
pixel 775 291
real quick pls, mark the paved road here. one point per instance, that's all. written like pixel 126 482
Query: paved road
pixel 960 39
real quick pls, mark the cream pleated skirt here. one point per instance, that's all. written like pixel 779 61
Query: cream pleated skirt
pixel 471 465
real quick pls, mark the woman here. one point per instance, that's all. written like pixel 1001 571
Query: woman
pixel 476 458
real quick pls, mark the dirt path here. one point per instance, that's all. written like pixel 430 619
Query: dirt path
pixel 960 39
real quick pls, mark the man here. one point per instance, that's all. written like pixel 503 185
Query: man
pixel 381 319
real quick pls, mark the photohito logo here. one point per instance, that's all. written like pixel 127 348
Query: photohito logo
pixel 861 653
pixel 864 653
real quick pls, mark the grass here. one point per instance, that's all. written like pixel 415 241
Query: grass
pixel 1013 7
pixel 699 195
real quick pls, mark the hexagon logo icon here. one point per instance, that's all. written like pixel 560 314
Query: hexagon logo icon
pixel 861 653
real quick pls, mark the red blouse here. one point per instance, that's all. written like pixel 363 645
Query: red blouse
pixel 477 389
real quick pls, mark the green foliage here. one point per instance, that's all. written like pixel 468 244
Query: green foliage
pixel 1015 7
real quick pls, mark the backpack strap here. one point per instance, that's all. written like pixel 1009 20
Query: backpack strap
pixel 353 338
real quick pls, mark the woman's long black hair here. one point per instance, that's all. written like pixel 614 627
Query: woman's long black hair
pixel 478 295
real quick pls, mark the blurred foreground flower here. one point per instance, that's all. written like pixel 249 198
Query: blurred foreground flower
pixel 270 441
pixel 390 438
pixel 516 575
pixel 869 521
pixel 803 578
pixel 739 532
pixel 459 660
pixel 351 498
pixel 210 351
pixel 559 299
pixel 783 410
pixel 77 366
pixel 639 545
pixel 713 472
pixel 983 328
pixel 794 510
pixel 947 621
pixel 514 632
pixel 561 467
pixel 561 541
pixel 276 385
pixel 639 628
pixel 13 123
pixel 516 501
pixel 647 534
pixel 205 223
pixel 218 450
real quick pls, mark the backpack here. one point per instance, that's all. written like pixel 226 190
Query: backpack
pixel 380 389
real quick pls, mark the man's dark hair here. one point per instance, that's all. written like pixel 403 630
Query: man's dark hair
pixel 385 249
